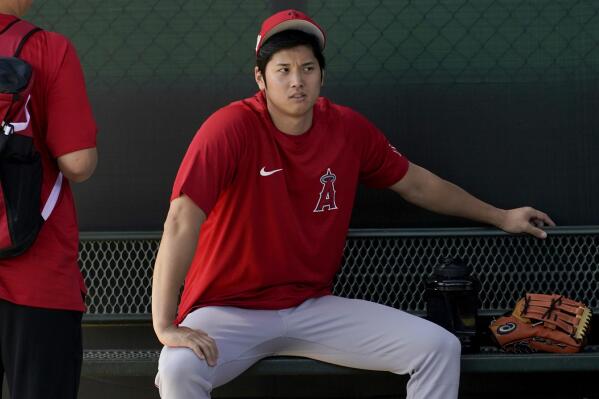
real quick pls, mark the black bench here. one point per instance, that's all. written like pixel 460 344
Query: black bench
pixel 385 266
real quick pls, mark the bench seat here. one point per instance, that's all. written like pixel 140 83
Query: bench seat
pixel 130 363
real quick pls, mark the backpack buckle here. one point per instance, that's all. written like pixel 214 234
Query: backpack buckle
pixel 7 128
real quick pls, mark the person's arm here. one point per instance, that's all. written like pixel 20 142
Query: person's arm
pixel 78 166
pixel 425 189
pixel 177 247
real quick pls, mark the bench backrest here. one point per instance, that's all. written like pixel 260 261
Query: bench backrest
pixel 385 266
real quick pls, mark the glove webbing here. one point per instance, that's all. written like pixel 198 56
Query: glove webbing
pixel 554 311
pixel 548 308
pixel 553 300
pixel 553 320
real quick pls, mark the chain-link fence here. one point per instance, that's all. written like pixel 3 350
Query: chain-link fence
pixel 387 267
pixel 176 42
pixel 391 268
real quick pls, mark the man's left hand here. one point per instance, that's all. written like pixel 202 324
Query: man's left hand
pixel 526 220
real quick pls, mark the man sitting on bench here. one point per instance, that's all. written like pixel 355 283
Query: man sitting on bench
pixel 271 180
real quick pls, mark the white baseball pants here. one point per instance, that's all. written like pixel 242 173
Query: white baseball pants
pixel 347 332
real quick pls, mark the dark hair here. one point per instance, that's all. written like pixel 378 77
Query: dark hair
pixel 285 40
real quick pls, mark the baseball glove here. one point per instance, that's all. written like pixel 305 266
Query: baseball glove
pixel 543 323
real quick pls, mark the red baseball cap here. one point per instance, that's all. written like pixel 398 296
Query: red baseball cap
pixel 289 20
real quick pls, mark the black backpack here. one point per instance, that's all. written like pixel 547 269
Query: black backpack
pixel 20 163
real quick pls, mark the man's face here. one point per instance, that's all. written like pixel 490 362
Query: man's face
pixel 291 83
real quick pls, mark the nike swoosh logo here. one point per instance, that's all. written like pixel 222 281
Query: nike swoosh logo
pixel 263 172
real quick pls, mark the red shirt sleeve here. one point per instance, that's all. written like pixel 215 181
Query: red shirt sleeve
pixel 381 164
pixel 210 163
pixel 70 123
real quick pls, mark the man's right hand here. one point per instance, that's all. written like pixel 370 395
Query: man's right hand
pixel 198 341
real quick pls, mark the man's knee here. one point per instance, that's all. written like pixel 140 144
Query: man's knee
pixel 440 343
pixel 451 345
pixel 181 372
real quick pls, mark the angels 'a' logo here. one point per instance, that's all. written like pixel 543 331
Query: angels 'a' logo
pixel 327 194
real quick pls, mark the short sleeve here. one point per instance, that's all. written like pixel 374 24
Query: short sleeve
pixel 70 122
pixel 381 164
pixel 210 163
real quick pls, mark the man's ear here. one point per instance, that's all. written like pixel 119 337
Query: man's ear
pixel 259 79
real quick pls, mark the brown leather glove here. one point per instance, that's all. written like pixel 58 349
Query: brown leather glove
pixel 543 323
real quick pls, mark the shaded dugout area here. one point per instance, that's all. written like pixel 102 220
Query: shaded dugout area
pixel 498 96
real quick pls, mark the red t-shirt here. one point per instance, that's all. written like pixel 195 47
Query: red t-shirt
pixel 47 275
pixel 278 205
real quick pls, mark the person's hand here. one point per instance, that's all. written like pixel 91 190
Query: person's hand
pixel 526 220
pixel 198 341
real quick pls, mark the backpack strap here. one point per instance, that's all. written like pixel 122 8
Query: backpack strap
pixel 52 198
pixel 14 36
pixel 7 27
pixel 24 40
pixel 19 126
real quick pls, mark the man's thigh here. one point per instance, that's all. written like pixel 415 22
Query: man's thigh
pixel 41 351
pixel 358 333
pixel 243 336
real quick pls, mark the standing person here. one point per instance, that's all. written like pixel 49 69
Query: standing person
pixel 42 289
pixel 271 182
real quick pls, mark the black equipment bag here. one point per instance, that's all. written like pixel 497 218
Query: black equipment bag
pixel 451 295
